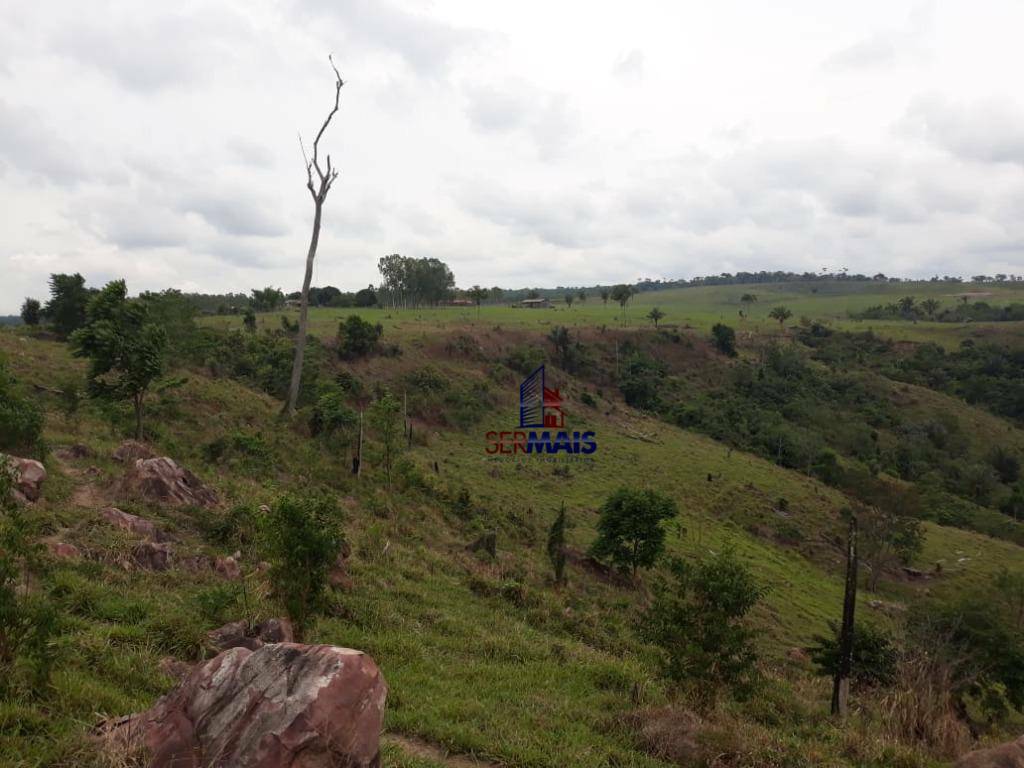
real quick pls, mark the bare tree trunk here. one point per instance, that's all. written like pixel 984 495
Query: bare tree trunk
pixel 138 417
pixel 318 190
pixel 841 683
pixel 300 340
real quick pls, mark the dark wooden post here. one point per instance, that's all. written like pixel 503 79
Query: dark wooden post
pixel 841 684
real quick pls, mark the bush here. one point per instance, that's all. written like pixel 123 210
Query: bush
pixel 724 339
pixel 331 415
pixel 21 421
pixel 630 533
pixel 641 380
pixel 302 538
pixel 357 337
pixel 524 359
pixel 874 655
pixel 698 620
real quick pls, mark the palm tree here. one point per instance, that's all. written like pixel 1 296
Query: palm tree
pixel 930 306
pixel 582 296
pixel 655 315
pixel 605 293
pixel 780 313
pixel 906 304
pixel 477 294
pixel 748 298
pixel 568 300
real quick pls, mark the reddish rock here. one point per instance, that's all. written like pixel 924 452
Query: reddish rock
pixel 152 556
pixel 134 524
pixel 29 475
pixel 161 480
pixel 63 550
pixel 1010 755
pixel 283 706
pixel 131 451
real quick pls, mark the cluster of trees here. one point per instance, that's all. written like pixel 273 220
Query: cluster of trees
pixel 410 282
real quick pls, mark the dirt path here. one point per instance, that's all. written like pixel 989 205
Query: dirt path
pixel 417 747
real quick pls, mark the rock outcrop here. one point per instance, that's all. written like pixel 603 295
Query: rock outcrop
pixel 283 706
pixel 131 451
pixel 29 475
pixel 63 551
pixel 147 529
pixel 71 452
pixel 151 556
pixel 1010 755
pixel 161 480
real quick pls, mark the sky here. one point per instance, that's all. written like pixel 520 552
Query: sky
pixel 525 144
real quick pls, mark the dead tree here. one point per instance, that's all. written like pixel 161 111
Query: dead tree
pixel 318 187
pixel 841 683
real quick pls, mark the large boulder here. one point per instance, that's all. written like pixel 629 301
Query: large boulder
pixel 151 556
pixel 1010 755
pixel 283 706
pixel 29 475
pixel 163 481
pixel 140 526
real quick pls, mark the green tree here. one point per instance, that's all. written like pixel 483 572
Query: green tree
pixel 357 337
pixel 267 299
pixel 605 295
pixel 724 339
pixel 68 300
pixel 560 337
pixel 556 545
pixel 782 314
pixel 301 537
pixel 906 304
pixel 385 417
pixel 886 540
pixel 249 320
pixel 748 298
pixel 569 298
pixel 698 619
pixel 582 296
pixel 630 534
pixel 622 294
pixel 930 306
pixel 125 349
pixel 31 311
pixel 874 655
pixel 655 316
pixel 478 294
pixel 1006 463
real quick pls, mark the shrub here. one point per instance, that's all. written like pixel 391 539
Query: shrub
pixel 641 380
pixel 302 538
pixel 724 339
pixel 331 416
pixel 21 421
pixel 874 655
pixel 630 533
pixel 556 546
pixel 524 359
pixel 698 617
pixel 357 337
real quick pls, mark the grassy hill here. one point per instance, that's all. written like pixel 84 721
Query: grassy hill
pixel 486 659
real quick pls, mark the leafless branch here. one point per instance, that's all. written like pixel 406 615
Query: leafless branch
pixel 326 178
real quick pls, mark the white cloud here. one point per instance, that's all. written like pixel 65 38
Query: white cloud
pixel 522 144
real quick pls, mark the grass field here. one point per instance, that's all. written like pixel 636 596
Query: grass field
pixel 485 658
pixel 702 307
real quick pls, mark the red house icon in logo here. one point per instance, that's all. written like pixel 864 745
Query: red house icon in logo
pixel 553 415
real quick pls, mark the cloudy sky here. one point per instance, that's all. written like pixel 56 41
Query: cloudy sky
pixel 527 143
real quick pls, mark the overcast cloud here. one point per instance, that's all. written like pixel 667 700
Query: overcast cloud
pixel 533 143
